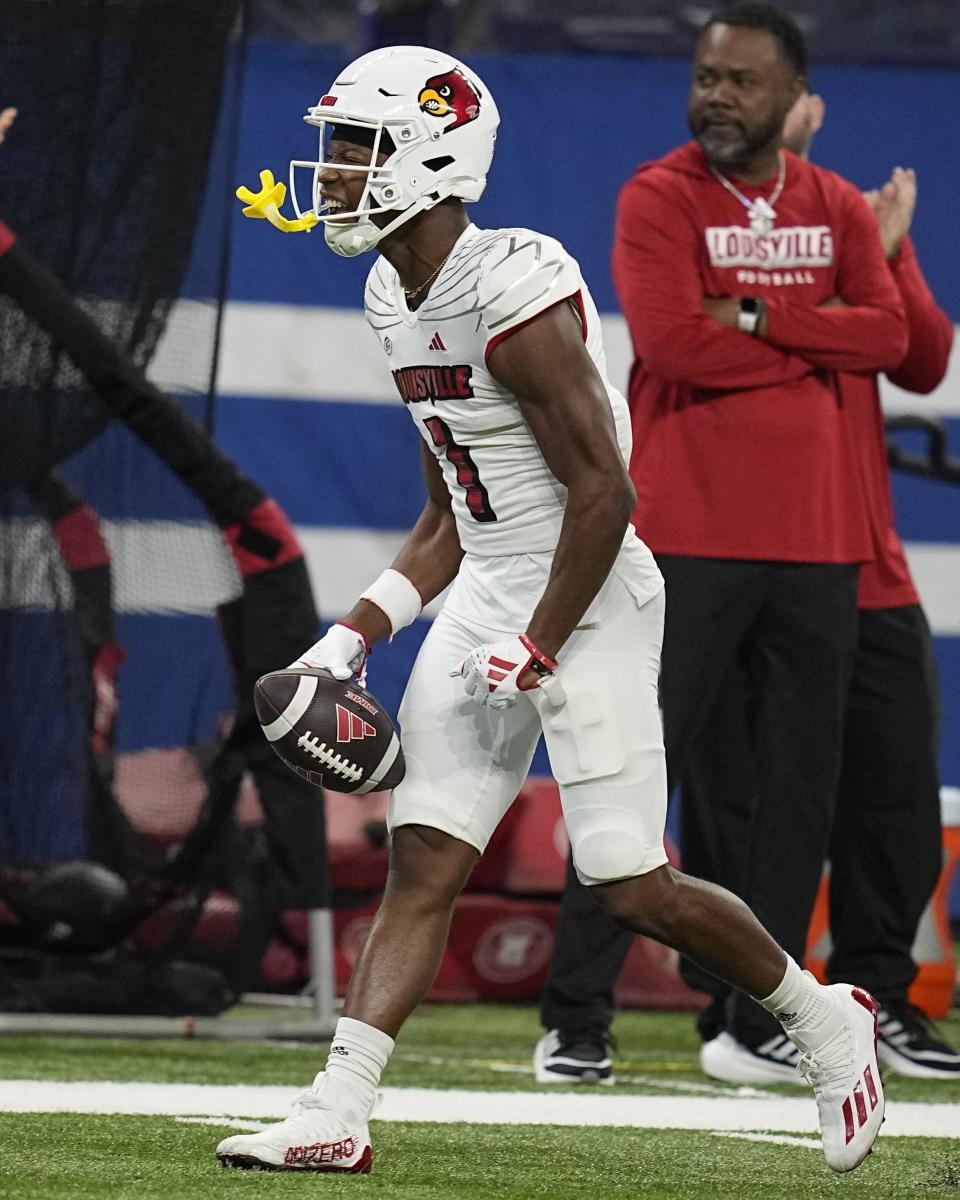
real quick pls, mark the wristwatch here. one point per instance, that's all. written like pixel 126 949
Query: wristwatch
pixel 749 312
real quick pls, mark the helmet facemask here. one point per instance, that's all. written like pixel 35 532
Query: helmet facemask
pixel 350 231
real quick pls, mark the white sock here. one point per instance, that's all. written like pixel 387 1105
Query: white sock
pixel 803 1008
pixel 358 1054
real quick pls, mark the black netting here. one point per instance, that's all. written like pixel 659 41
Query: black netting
pixel 104 175
pixel 144 582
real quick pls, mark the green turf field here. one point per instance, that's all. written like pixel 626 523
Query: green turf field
pixel 63 1155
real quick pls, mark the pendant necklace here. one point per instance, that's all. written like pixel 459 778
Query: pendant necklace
pixel 413 293
pixel 760 211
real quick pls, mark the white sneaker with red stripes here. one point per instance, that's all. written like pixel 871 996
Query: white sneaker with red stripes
pixel 312 1138
pixel 846 1078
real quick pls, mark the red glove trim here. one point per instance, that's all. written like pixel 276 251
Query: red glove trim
pixel 550 664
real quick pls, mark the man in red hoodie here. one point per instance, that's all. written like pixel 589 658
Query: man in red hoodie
pixel 886 845
pixel 749 278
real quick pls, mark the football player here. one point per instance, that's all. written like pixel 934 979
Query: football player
pixel 554 619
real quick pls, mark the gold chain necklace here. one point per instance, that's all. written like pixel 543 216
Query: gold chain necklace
pixel 760 211
pixel 413 293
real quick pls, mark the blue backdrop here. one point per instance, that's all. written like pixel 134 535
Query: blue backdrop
pixel 573 128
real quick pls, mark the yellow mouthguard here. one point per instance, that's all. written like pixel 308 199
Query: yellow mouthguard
pixel 266 204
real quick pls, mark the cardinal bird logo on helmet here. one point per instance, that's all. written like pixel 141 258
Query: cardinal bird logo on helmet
pixel 449 93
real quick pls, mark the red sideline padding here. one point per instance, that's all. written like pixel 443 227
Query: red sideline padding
pixel 650 976
pixel 356 845
pixel 282 968
pixel 219 927
pixel 218 924
pixel 498 948
pixel 528 852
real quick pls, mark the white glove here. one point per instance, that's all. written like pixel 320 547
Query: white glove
pixel 491 672
pixel 342 651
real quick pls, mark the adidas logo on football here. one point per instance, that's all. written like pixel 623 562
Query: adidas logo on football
pixel 350 726
pixel 436 342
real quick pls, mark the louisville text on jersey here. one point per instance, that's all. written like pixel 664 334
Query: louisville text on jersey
pixel 434 383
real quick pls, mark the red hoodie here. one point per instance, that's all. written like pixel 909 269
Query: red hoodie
pixel 886 582
pixel 741 446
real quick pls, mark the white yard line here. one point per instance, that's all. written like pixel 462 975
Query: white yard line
pixel 498 1067
pixel 782 1114
pixel 778 1139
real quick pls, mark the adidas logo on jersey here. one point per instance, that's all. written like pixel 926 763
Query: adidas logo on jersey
pixel 436 342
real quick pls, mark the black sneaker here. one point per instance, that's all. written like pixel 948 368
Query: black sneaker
pixel 907 1046
pixel 574 1056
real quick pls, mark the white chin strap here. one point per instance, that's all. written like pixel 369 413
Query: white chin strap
pixel 363 235
pixel 350 240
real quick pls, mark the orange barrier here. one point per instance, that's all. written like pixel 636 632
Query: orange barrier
pixel 934 987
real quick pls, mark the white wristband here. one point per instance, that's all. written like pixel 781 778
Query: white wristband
pixel 395 595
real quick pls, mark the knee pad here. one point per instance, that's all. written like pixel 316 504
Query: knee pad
pixel 601 855
pixel 617 836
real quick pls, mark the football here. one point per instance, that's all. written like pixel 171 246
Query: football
pixel 332 732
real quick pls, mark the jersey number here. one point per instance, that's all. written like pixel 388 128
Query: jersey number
pixel 478 502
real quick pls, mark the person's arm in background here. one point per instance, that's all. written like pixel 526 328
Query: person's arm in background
pixel 7 118
pixel 655 273
pixel 868 331
pixel 930 329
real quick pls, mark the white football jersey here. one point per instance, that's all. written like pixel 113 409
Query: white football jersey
pixel 505 498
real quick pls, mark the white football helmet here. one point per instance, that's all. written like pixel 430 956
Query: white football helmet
pixel 441 121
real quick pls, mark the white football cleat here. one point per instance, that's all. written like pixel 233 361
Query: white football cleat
pixel 312 1138
pixel 773 1061
pixel 846 1079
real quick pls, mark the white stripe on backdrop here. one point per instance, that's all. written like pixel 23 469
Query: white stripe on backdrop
pixel 290 352
pixel 286 352
pixel 341 562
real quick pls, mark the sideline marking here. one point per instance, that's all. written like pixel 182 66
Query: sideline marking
pixel 778 1139
pixel 497 1066
pixel 775 1113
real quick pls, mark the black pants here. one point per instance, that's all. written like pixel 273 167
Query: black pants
pixel 792 628
pixel 886 852
pixel 886 846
